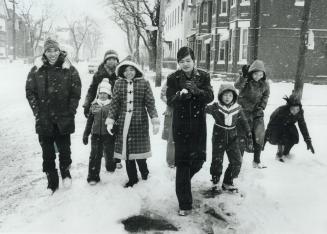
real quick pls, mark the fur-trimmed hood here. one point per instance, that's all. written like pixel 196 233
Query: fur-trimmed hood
pixel 62 61
pixel 120 69
pixel 227 87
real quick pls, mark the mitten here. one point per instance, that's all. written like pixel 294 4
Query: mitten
pixel 155 125
pixel 245 70
pixel 191 86
pixel 249 142
pixel 86 111
pixel 309 146
pixel 85 139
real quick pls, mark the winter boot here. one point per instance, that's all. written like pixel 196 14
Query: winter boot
pixel 145 176
pixel 215 181
pixel 66 177
pixel 279 154
pixel 53 180
pixel 119 165
pixel 130 183
pixel 184 212
pixel 229 188
pixel 258 165
pixel 92 180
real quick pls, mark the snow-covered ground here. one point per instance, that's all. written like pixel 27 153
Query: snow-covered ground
pixel 284 198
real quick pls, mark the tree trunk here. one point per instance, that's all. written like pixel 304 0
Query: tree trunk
pixel 298 86
pixel 159 45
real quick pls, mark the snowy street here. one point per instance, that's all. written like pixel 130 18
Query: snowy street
pixel 284 198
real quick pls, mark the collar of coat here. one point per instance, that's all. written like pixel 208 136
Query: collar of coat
pixel 228 110
pixel 134 79
pixel 62 61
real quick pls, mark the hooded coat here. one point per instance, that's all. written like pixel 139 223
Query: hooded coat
pixel 281 129
pixel 131 104
pixel 53 93
pixel 253 97
pixel 189 119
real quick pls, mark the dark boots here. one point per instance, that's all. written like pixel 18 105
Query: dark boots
pixel 53 180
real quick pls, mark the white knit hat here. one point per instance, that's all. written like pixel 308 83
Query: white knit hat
pixel 104 87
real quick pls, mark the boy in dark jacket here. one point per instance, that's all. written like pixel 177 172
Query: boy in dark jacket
pixel 281 128
pixel 101 141
pixel 227 113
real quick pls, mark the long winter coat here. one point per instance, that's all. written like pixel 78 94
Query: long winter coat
pixel 281 129
pixel 53 93
pixel 96 80
pixel 131 104
pixel 168 114
pixel 189 119
pixel 253 97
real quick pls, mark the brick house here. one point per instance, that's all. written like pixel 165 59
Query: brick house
pixel 231 33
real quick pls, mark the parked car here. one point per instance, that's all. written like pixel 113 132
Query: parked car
pixel 93 65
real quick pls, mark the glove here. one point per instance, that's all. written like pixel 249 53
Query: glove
pixel 85 139
pixel 249 142
pixel 309 146
pixel 86 111
pixel 184 94
pixel 109 128
pixel 245 70
pixel 155 125
pixel 191 86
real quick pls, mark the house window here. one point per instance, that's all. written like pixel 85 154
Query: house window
pixel 222 52
pixel 223 7
pixel 233 3
pixel 299 3
pixel 205 12
pixel 181 12
pixel 199 50
pixel 2 25
pixel 198 15
pixel 178 15
pixel 214 5
pixel 244 44
pixel 245 3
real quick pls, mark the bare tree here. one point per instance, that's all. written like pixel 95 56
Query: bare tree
pixel 93 40
pixel 140 14
pixel 38 25
pixel 79 29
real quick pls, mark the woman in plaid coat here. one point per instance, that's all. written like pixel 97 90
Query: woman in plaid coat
pixel 131 104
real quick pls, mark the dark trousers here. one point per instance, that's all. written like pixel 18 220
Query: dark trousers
pixel 219 146
pixel 131 169
pixel 101 145
pixel 184 174
pixel 48 151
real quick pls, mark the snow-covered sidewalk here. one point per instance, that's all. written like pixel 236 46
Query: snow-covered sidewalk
pixel 284 198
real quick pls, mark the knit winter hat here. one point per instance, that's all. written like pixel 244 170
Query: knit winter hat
pixel 257 65
pixel 110 54
pixel 292 100
pixel 104 87
pixel 50 43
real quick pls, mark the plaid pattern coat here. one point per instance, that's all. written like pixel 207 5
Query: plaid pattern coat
pixel 131 104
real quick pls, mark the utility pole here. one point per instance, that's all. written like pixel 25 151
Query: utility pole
pixel 298 86
pixel 13 27
pixel 159 44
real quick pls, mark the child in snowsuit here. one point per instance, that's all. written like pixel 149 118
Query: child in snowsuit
pixel 254 92
pixel 131 104
pixel 227 113
pixel 101 141
pixel 281 128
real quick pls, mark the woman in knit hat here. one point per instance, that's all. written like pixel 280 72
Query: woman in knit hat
pixel 131 104
pixel 281 128
pixel 102 143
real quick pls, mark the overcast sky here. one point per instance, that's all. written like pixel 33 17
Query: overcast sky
pixel 113 36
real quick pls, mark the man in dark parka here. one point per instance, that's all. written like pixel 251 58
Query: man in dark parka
pixel 188 92
pixel 53 90
pixel 106 70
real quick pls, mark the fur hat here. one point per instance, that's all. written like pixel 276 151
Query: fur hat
pixel 104 87
pixel 292 100
pixel 110 54
pixel 50 43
